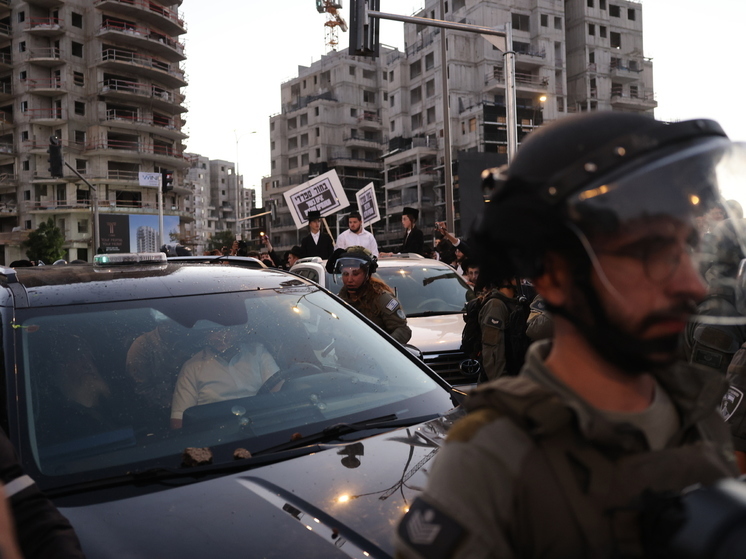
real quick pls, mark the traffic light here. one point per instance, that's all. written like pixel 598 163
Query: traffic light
pixel 56 162
pixel 167 181
pixel 364 29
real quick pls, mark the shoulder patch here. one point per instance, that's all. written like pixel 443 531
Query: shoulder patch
pixel 430 532
pixel 730 403
pixel 391 305
pixel 400 314
pixel 496 322
pixel 465 429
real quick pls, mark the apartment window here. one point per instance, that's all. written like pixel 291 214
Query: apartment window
pixel 81 165
pixel 617 89
pixel 520 46
pixel 544 19
pixel 592 57
pixel 369 75
pixel 445 7
pixel 392 100
pixel 472 125
pixel 353 132
pixel 24 106
pixel 273 164
pixel 26 166
pixel 416 121
pixel 22 75
pixel 79 108
pixel 24 136
pixel 415 95
pixel 558 23
pixel 631 14
pixel 392 125
pixel 593 87
pixel 76 49
pixel 304 160
pixel 591 29
pixel 315 80
pixel 353 113
pixel 385 75
pixel 271 126
pixel 304 140
pixel 385 96
pixel 431 115
pixel 429 61
pixel 293 143
pixel 633 66
pixel 27 224
pixel 602 31
pixel 82 225
pixel 292 123
pixel 80 136
pixel 615 40
pixel 369 96
pixel 590 3
pixel 318 153
pixel 78 78
pixel 615 11
pixel 520 22
pixel 304 119
pixel 21 16
pixel 304 84
pixel 77 20
pixel 463 128
pixel 318 132
pixel 352 70
pixel 415 69
pixel 429 88
pixel 22 46
pixel 316 111
pixel 292 163
pixel 602 4
pixel 27 195
pixel 272 145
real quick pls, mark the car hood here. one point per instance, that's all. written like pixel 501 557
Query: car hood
pixel 436 333
pixel 343 501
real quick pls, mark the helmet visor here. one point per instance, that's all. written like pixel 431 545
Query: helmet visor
pixel 348 262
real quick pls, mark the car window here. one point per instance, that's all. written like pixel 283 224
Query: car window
pixel 309 273
pixel 102 381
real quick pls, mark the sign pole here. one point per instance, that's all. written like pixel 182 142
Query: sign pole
pixel 328 230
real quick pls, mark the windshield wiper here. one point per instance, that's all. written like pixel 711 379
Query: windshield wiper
pixel 334 432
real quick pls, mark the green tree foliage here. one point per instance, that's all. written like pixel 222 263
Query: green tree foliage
pixel 221 239
pixel 45 243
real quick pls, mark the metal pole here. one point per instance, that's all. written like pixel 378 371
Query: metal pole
pixel 511 117
pixel 447 163
pixel 94 204
pixel 160 216
pixel 437 23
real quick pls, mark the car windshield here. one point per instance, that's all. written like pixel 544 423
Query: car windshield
pixel 423 289
pixel 104 383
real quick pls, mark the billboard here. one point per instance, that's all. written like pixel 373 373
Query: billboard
pixel 323 193
pixel 134 232
pixel 367 204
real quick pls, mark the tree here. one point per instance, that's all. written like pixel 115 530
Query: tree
pixel 45 243
pixel 221 239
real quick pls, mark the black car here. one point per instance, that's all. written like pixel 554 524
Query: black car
pixel 191 410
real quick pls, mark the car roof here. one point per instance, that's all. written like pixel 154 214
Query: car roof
pixel 87 283
pixel 247 261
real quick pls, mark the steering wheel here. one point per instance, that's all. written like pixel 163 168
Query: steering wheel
pixel 426 302
pixel 297 370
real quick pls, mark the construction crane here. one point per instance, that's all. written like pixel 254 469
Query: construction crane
pixel 333 21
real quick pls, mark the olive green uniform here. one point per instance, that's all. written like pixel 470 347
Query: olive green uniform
pixel 494 317
pixel 535 471
pixel 388 315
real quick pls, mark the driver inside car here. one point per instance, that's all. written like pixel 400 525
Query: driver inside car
pixel 227 368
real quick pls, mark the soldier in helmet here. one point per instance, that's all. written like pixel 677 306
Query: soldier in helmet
pixel 371 296
pixel 598 211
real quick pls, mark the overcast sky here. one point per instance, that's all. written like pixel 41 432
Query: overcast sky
pixel 240 51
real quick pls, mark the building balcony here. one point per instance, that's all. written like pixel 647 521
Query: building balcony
pixel 5 33
pixel 49 57
pixel 369 120
pixel 354 141
pixel 168 20
pixel 160 70
pixel 162 99
pixel 346 161
pixel 133 120
pixel 530 58
pixel 45 26
pixel 495 81
pixel 5 8
pixel 6 92
pixel 166 155
pixel 8 183
pixel 48 87
pixel 45 3
pixel 6 61
pixel 622 74
pixel 639 102
pixel 48 117
pixel 143 38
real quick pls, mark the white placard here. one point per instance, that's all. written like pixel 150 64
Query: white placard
pixel 323 193
pixel 150 179
pixel 367 204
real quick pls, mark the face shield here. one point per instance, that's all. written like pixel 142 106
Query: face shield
pixel 672 208
pixel 350 262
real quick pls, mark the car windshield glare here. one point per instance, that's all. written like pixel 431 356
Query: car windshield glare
pixel 424 289
pixel 105 398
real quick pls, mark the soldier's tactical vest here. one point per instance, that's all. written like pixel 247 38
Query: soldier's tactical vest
pixel 602 487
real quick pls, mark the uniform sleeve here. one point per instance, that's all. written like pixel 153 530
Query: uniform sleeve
pixel 733 407
pixel 393 318
pixel 43 533
pixel 186 392
pixel 493 319
pixel 472 514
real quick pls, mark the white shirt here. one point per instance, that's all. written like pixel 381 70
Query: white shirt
pixel 316 236
pixel 207 378
pixel 363 239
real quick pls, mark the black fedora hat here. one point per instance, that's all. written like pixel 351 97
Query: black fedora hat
pixel 314 214
pixel 414 213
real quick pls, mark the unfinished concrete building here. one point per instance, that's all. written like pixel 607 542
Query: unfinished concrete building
pixel 105 77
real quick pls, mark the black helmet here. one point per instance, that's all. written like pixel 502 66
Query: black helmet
pixel 591 173
pixel 355 257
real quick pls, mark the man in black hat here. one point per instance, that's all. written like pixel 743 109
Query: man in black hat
pixel 316 243
pixel 414 240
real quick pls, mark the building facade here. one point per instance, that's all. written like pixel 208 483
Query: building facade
pixel 105 78
pixel 571 56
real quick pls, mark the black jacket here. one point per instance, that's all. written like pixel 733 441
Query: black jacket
pixel 43 533
pixel 323 249
pixel 414 242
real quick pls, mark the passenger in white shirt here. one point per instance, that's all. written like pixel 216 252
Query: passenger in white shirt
pixel 356 235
